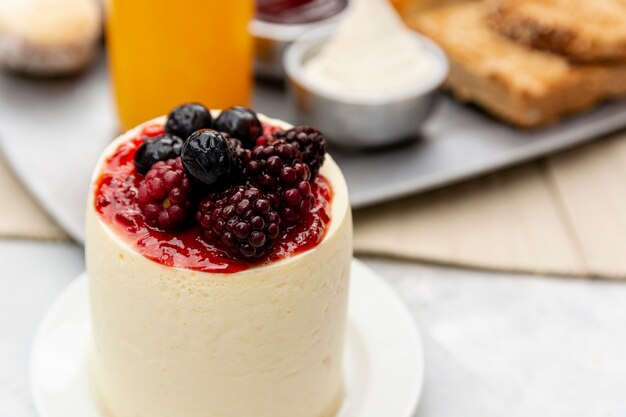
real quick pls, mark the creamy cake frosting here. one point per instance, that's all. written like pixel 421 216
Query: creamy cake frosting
pixel 266 341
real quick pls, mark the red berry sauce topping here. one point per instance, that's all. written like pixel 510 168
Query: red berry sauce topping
pixel 170 217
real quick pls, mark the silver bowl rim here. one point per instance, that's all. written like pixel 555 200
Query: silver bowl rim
pixel 294 55
pixel 288 32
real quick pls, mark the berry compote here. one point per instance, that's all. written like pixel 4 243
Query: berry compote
pixel 116 202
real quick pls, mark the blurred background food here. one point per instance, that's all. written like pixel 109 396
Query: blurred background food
pixel 391 62
pixel 371 96
pixel 525 86
pixel 409 8
pixel 278 23
pixel 512 78
pixel 49 37
pixel 527 62
pixel 582 30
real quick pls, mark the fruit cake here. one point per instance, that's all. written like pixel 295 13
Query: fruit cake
pixel 218 252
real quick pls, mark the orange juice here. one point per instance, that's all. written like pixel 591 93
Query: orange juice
pixel 163 53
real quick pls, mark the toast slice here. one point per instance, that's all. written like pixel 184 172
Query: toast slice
pixel 520 85
pixel 410 7
pixel 582 30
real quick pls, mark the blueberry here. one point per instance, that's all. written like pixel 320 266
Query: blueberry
pixel 187 118
pixel 241 123
pixel 158 148
pixel 208 157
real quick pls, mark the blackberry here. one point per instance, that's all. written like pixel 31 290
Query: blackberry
pixel 278 170
pixel 309 141
pixel 155 149
pixel 297 200
pixel 240 154
pixel 208 157
pixel 187 118
pixel 240 221
pixel 276 166
pixel 242 123
pixel 164 195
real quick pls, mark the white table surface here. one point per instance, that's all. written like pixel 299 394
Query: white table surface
pixel 496 344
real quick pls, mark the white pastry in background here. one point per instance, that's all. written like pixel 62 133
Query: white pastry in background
pixel 49 37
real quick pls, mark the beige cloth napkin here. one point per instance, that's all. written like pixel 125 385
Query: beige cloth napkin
pixel 564 215
pixel 20 215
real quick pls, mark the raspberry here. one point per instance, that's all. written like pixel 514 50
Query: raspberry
pixel 309 141
pixel 164 195
pixel 239 220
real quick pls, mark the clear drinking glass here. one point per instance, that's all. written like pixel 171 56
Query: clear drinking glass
pixel 163 53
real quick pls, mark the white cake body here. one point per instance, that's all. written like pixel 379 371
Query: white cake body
pixel 265 342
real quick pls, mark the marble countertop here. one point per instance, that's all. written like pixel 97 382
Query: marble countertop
pixel 495 344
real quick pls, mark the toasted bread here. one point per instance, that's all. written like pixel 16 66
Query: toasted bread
pixel 583 30
pixel 523 86
pixel 49 37
pixel 410 7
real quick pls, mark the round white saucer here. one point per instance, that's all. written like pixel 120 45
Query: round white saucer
pixel 383 363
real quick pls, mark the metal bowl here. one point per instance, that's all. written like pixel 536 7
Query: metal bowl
pixel 361 123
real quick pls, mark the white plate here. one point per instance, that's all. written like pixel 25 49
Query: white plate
pixel 383 367
pixel 52 132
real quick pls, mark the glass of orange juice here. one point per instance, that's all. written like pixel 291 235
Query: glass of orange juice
pixel 163 53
